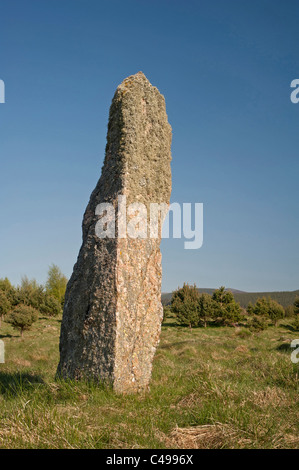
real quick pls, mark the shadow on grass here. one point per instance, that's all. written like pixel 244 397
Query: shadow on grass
pixel 288 327
pixel 8 335
pixel 15 383
pixel 172 324
pixel 178 343
pixel 58 320
pixel 284 347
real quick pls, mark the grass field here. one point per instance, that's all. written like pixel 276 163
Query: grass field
pixel 211 388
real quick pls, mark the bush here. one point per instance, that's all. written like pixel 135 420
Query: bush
pixel 50 306
pixel 22 317
pixel 166 312
pixel 34 295
pixel 295 323
pixel 276 311
pixel 250 309
pixel 296 313
pixel 269 308
pixel 193 309
pixel 244 333
pixel 261 307
pixel 4 305
pixel 225 309
pixel 56 284
pixel 257 323
pixel 29 293
pixel 206 308
pixel 7 289
pixel 184 304
pixel 48 301
pixel 289 311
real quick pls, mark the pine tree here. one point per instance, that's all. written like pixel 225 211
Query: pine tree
pixel 22 317
pixel 206 308
pixel 296 311
pixel 250 309
pixel 226 309
pixel 269 308
pixel 276 311
pixel 185 305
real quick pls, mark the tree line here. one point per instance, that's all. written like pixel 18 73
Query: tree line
pixel 21 305
pixel 193 309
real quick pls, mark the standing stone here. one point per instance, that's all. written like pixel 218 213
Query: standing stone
pixel 112 315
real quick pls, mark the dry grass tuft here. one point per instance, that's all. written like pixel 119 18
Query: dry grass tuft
pixel 189 401
pixel 242 349
pixel 21 362
pixel 270 396
pixel 209 436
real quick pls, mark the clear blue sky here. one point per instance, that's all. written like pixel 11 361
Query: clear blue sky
pixel 225 69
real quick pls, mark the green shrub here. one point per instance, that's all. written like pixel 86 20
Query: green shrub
pixel 4 305
pixel 193 309
pixel 244 333
pixel 184 304
pixel 261 307
pixel 289 311
pixel 50 306
pixel 166 312
pixel 249 309
pixel 22 317
pixel 56 284
pixel 29 293
pixel 206 308
pixel 269 308
pixel 276 311
pixel 34 295
pixel 295 323
pixel 296 312
pixel 225 309
pixel 8 289
pixel 257 323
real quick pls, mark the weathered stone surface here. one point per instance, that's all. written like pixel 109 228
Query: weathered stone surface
pixel 112 315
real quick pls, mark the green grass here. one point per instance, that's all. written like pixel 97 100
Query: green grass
pixel 211 388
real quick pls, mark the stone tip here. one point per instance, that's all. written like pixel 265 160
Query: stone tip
pixel 137 76
pixel 131 81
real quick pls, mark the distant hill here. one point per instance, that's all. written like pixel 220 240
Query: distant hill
pixel 285 298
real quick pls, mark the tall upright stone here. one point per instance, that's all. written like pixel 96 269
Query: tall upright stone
pixel 112 315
